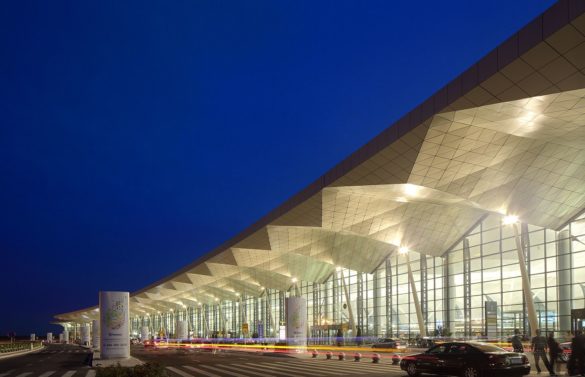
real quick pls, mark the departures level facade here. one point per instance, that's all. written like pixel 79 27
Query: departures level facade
pixel 463 218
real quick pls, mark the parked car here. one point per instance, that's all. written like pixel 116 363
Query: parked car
pixel 386 343
pixel 467 359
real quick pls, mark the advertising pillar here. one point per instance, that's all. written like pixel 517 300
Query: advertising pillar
pixel 66 336
pixel 85 335
pixel 181 330
pixel 49 337
pixel 114 321
pixel 95 334
pixel 296 321
pixel 144 333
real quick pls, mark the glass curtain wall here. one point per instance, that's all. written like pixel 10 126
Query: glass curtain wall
pixel 453 289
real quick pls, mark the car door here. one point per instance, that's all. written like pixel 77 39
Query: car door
pixel 432 360
pixel 455 357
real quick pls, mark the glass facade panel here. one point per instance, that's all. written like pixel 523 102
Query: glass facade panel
pixel 453 287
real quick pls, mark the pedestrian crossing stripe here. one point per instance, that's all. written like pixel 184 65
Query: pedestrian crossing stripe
pixel 263 370
pixel 193 369
pixel 239 368
pixel 179 372
pixel 224 371
pixel 306 367
pixel 300 372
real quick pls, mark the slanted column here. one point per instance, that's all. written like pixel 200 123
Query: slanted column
pixel 530 310
pixel 424 299
pixel 448 324
pixel 348 301
pixel 564 279
pixel 389 307
pixel 419 315
pixel 466 287
pixel 377 303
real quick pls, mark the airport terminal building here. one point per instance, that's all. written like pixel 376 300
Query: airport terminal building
pixel 464 218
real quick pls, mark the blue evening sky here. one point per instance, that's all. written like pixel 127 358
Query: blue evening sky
pixel 136 136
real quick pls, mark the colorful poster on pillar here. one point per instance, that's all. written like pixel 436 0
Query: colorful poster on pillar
pixel 296 321
pixel 114 325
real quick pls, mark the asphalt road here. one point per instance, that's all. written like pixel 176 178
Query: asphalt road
pixel 187 363
pixel 70 361
pixel 55 360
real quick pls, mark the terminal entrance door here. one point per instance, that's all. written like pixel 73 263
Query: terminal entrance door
pixel 577 320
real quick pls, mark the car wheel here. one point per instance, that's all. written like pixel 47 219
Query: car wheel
pixel 564 357
pixel 412 370
pixel 470 372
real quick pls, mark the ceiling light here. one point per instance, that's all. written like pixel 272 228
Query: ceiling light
pixel 403 250
pixel 411 190
pixel 510 219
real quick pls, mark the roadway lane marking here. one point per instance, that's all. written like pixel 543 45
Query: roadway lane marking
pixel 224 371
pixel 349 366
pixel 6 373
pixel 179 372
pixel 24 374
pixel 369 366
pixel 302 368
pixel 240 367
pixel 275 372
pixel 47 374
pixel 201 371
pixel 294 372
pixel 90 373
pixel 69 374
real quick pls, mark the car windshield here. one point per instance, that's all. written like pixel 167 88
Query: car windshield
pixel 487 347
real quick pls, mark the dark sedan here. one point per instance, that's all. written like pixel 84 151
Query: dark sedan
pixel 386 343
pixel 467 359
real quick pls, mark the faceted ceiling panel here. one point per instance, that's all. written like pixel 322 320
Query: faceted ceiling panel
pixel 425 220
pixel 524 157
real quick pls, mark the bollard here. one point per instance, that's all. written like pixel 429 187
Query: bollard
pixel 315 353
pixel 341 356
pixel 376 358
pixel 395 359
pixel 328 355
pixel 357 356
